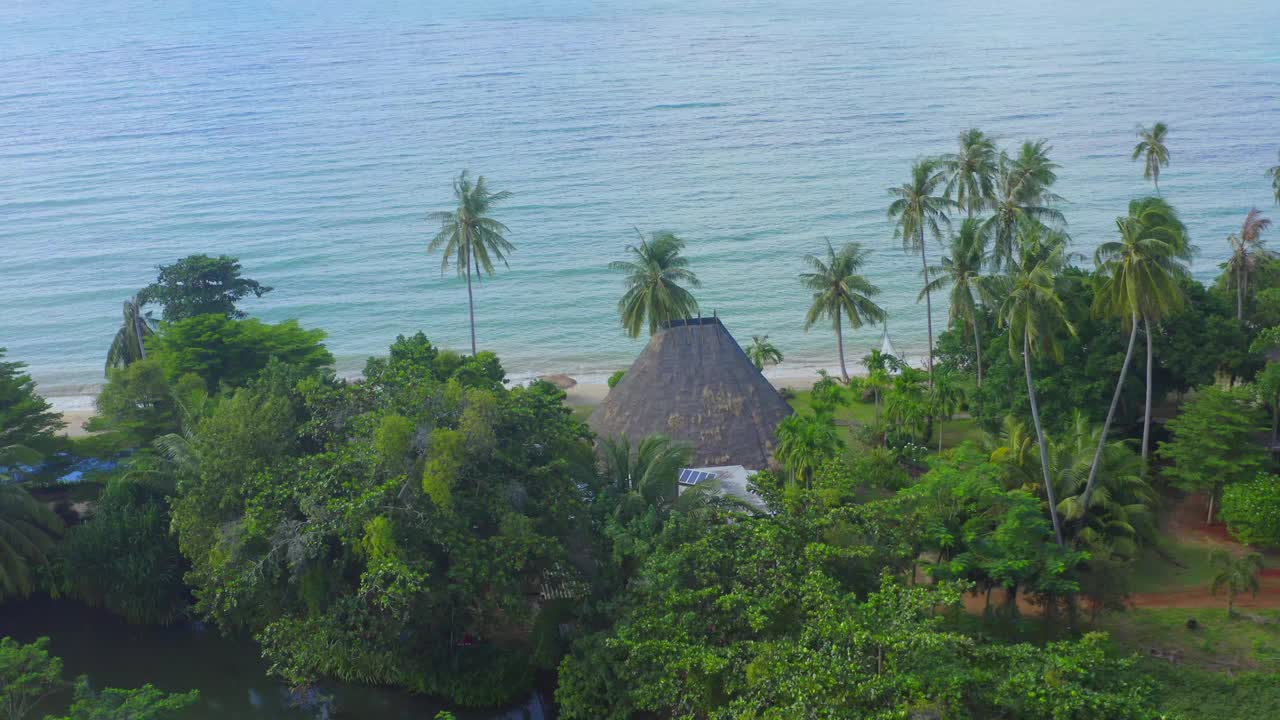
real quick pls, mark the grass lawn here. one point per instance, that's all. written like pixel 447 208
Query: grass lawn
pixel 1154 573
pixel 1249 642
pixel 954 432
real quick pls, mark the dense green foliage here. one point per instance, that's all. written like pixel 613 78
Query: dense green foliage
pixel 1251 510
pixel 199 285
pixel 30 675
pixel 26 419
pixel 1214 441
pixel 222 350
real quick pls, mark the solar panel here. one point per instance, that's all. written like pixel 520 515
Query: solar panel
pixel 693 477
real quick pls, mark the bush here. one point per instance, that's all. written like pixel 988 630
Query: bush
pixel 616 378
pixel 1252 510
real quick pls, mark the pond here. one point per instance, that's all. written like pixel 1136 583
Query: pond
pixel 229 673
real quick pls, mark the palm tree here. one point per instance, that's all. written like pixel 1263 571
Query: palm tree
pixel 971 172
pixel 651 471
pixel 130 344
pixel 962 270
pixel 1273 172
pixel 1139 275
pixel 1236 574
pixel 762 352
pixel 1034 313
pixel 839 290
pixel 654 294
pixel 28 528
pixel 1022 193
pixel 1247 248
pixel 469 238
pixel 944 398
pixel 877 381
pixel 805 442
pixel 916 208
pixel 1153 151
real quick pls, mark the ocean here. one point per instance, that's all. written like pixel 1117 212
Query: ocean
pixel 310 139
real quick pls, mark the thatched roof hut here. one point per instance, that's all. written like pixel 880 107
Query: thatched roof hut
pixel 693 383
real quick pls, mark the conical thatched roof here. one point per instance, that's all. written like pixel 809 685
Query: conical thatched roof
pixel 694 384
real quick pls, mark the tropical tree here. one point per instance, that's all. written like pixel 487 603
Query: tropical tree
pixel 1236 574
pixel 1247 251
pixel 1022 193
pixel 961 269
pixel 1035 315
pixel 762 352
pixel 654 284
pixel 1273 172
pixel 944 398
pixel 805 442
pixel 199 285
pixel 840 291
pixel 1140 280
pixel 129 344
pixel 878 381
pixel 469 238
pixel 651 470
pixel 917 207
pixel 971 172
pixel 1152 150
pixel 1214 442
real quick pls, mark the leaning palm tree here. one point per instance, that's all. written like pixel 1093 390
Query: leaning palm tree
pixel 1035 315
pixel 1153 151
pixel 28 529
pixel 918 208
pixel 1273 172
pixel 469 238
pixel 1139 282
pixel 1247 249
pixel 961 269
pixel 1236 574
pixel 1022 193
pixel 840 291
pixel 130 344
pixel 762 352
pixel 971 172
pixel 654 292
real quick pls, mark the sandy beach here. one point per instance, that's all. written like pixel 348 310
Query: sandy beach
pixel 79 410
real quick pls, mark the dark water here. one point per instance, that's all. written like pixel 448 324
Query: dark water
pixel 230 674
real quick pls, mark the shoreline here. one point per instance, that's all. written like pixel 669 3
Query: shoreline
pixel 589 391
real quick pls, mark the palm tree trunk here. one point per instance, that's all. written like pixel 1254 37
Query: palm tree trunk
pixel 471 308
pixel 1240 293
pixel 844 372
pixel 1208 520
pixel 977 343
pixel 1044 445
pixel 1146 419
pixel 1156 179
pixel 138 324
pixel 1275 420
pixel 1111 414
pixel 928 303
pixel 940 434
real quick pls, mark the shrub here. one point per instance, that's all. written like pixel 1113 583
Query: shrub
pixel 1252 510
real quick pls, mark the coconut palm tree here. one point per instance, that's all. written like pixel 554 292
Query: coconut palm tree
pixel 1236 574
pixel 129 344
pixel 654 275
pixel 971 172
pixel 1033 312
pixel 28 528
pixel 762 352
pixel 1153 151
pixel 1247 250
pixel 1273 172
pixel 918 208
pixel 839 290
pixel 961 269
pixel 1139 281
pixel 1022 192
pixel 469 238
pixel 651 471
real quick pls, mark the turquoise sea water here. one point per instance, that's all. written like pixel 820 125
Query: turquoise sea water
pixel 310 139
